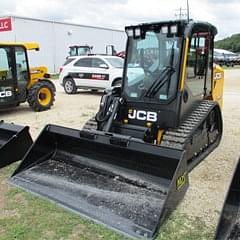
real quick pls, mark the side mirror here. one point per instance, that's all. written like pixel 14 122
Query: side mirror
pixel 103 66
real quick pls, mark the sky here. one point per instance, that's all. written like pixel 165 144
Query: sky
pixel 224 14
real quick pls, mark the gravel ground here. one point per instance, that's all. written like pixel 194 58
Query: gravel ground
pixel 208 182
pixel 68 110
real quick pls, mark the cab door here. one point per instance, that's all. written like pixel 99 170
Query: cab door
pixel 22 72
pixel 199 66
pixel 7 80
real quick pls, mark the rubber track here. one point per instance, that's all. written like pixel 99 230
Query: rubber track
pixel 177 138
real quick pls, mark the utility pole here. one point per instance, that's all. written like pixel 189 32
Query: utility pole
pixel 183 13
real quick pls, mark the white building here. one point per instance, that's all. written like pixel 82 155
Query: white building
pixel 56 37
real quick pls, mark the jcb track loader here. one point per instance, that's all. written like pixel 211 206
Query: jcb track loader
pixel 229 222
pixel 128 168
pixel 20 83
pixel 82 50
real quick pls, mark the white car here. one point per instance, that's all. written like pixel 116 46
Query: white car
pixel 91 72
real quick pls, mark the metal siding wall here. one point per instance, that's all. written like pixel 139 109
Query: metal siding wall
pixel 55 38
pixel 37 31
pixel 67 35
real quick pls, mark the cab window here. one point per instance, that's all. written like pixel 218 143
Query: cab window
pixel 198 65
pixel 21 64
pixel 5 64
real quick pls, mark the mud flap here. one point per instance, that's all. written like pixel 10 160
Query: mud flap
pixel 121 182
pixel 229 222
pixel 15 141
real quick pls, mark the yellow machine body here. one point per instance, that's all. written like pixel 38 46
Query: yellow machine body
pixel 19 84
pixel 218 85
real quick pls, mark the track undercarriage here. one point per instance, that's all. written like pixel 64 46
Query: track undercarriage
pixel 198 135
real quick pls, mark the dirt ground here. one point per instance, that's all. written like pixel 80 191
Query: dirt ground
pixel 68 110
pixel 208 182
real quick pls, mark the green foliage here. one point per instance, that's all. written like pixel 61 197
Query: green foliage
pixel 230 43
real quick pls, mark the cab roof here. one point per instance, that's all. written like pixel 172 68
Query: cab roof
pixel 185 27
pixel 27 45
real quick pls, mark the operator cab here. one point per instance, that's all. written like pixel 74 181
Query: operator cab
pixel 168 68
pixel 14 74
pixel 168 71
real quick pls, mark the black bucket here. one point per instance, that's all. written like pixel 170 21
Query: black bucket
pixel 15 141
pixel 229 223
pixel 121 182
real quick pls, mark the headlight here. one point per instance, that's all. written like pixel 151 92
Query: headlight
pixel 164 29
pixel 129 32
pixel 137 32
pixel 173 29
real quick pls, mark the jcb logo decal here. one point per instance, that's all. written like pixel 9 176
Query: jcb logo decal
pixel 142 115
pixel 218 76
pixel 181 181
pixel 4 94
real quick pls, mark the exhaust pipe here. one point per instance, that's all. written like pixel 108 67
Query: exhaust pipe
pixel 119 181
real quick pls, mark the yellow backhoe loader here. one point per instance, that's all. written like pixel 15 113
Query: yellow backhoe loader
pixel 20 83
pixel 128 168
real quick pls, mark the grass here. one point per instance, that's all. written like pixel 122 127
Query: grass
pixel 31 218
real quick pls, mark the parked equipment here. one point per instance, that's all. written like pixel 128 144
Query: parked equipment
pixel 15 140
pixel 80 50
pixel 128 168
pixel 229 223
pixel 19 83
pixel 85 50
pixel 111 51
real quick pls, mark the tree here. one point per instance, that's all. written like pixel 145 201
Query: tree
pixel 230 43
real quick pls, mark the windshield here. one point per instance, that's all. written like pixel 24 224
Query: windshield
pixel 148 63
pixel 116 62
